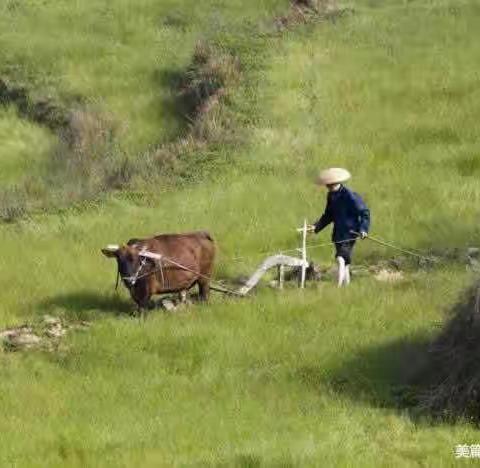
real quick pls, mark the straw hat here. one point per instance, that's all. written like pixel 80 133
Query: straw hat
pixel 334 175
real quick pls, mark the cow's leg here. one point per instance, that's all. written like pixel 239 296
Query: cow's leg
pixel 137 310
pixel 145 306
pixel 142 297
pixel 203 289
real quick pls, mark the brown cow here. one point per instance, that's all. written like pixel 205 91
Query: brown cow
pixel 165 263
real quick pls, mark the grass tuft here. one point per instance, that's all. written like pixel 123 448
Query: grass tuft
pixel 13 204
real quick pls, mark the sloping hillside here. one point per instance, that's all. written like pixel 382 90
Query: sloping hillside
pixel 116 55
pixel 115 71
pixel 292 378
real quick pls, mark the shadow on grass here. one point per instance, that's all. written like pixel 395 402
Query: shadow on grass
pixel 84 304
pixel 384 376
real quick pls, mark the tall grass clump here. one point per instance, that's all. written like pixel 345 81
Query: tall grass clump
pixel 447 379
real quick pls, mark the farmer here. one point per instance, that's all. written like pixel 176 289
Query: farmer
pixel 349 215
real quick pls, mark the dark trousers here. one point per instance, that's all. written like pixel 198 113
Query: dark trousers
pixel 344 250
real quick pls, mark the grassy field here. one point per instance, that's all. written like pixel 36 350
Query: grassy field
pixel 117 55
pixel 299 378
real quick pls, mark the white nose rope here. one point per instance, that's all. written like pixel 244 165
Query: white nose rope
pixel 133 279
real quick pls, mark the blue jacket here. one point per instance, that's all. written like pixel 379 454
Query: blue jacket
pixel 347 211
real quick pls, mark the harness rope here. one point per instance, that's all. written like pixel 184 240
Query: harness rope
pixel 400 249
pixel 369 237
pixel 221 288
pixel 309 246
pixel 160 265
pixel 137 275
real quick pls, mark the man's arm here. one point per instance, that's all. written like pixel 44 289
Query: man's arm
pixel 363 214
pixel 325 220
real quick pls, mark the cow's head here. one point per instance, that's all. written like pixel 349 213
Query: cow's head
pixel 128 260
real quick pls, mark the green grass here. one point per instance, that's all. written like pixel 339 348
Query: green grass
pixel 235 382
pixel 294 378
pixel 24 149
pixel 117 55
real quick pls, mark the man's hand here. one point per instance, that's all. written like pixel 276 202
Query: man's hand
pixel 310 228
pixel 363 235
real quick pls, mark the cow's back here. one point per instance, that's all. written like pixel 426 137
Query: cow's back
pixel 195 246
pixel 193 250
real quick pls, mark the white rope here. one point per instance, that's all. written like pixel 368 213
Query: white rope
pixel 133 279
pixel 229 291
pixel 326 244
pixel 160 265
pixel 309 246
pixel 400 249
pixel 137 275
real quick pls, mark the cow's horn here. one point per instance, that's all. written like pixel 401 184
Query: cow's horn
pixel 112 247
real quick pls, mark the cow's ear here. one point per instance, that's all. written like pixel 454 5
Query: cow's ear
pixel 110 250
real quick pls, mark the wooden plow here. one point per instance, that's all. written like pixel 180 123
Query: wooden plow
pixel 280 261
